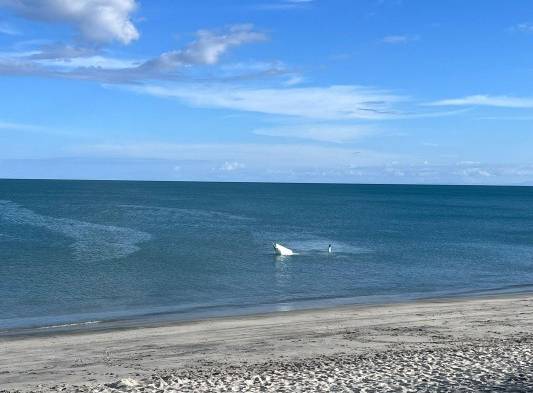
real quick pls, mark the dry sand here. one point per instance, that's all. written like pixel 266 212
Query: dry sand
pixel 483 344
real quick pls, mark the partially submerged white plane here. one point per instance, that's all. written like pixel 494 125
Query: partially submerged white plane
pixel 280 250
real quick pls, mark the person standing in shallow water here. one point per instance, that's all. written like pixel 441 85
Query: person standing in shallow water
pixel 329 248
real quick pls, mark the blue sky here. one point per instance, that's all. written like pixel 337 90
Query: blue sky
pixel 377 91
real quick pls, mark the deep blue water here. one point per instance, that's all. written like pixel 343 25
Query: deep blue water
pixel 76 251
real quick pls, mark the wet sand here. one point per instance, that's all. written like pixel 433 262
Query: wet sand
pixel 477 344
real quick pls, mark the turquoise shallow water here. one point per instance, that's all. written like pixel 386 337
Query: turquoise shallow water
pixel 79 251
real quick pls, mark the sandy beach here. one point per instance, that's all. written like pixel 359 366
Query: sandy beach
pixel 477 344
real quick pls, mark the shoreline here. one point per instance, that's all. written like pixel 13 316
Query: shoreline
pixel 89 359
pixel 170 318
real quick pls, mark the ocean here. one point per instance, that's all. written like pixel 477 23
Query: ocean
pixel 89 252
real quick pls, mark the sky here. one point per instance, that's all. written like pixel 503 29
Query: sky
pixel 370 91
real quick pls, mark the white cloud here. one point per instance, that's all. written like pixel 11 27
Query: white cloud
pixel 61 51
pixel 486 100
pixel 98 21
pixel 475 172
pixel 232 166
pixel 399 39
pixel 525 27
pixel 334 102
pixel 468 163
pixel 520 171
pixel 207 48
pixel 96 61
pixel 273 156
pixel 58 59
pixel 20 127
pixel 294 80
pixel 88 63
pixel 319 132
pixel 232 69
pixel 395 171
pixel 17 128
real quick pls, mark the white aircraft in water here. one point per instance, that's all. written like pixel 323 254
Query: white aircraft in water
pixel 280 250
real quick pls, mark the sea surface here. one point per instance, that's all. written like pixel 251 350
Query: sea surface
pixel 87 252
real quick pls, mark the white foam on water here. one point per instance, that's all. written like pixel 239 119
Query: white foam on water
pixel 92 242
pixel 69 325
pixel 305 243
pixel 321 245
